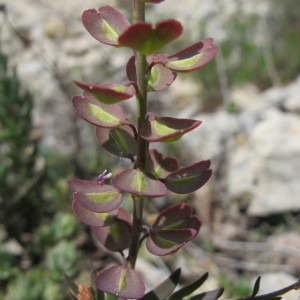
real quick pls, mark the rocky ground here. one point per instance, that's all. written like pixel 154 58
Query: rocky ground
pixel 255 147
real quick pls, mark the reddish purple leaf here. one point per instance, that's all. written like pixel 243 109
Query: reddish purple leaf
pixel 174 227
pixel 188 179
pixel 92 218
pixel 154 1
pixel 147 39
pixel 166 129
pixel 159 166
pixel 94 196
pixel 117 236
pixel 105 25
pixel 109 93
pixel 193 57
pixel 131 69
pixel 165 242
pixel 160 78
pixel 137 183
pixel 121 281
pixel 119 141
pixel 97 113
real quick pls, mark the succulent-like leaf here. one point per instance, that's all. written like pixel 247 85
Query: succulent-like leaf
pixel 188 179
pixel 166 129
pixel 173 228
pixel 160 78
pixel 211 295
pixel 137 183
pixel 93 218
pixel 97 113
pixel 71 284
pixel 193 57
pixel 96 197
pixel 119 141
pixel 165 288
pixel 147 38
pixel 115 237
pixel 161 166
pixel 189 289
pixel 105 25
pixel 122 281
pixel 131 69
pixel 109 93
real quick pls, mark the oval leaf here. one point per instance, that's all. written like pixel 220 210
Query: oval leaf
pixel 164 242
pixel 160 78
pixel 92 218
pixel 188 179
pixel 97 113
pixel 105 25
pixel 109 93
pixel 94 196
pixel 135 182
pixel 119 141
pixel 193 57
pixel 176 216
pixel 121 281
pixel 160 166
pixel 166 129
pixel 147 39
pixel 115 237
pixel 173 228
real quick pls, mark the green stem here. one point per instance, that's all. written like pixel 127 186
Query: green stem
pixel 141 161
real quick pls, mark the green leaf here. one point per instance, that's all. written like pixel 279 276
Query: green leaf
pixel 164 289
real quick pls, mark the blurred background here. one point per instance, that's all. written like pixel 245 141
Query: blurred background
pixel 248 99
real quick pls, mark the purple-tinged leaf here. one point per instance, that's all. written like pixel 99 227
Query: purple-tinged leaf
pixel 164 242
pixel 166 129
pixel 160 78
pixel 173 228
pixel 137 183
pixel 188 179
pixel 193 57
pixel 94 196
pixel 97 113
pixel 109 93
pixel 121 281
pixel 131 69
pixel 105 25
pixel 119 141
pixel 93 218
pixel 147 38
pixel 177 216
pixel 159 166
pixel 115 237
pixel 165 288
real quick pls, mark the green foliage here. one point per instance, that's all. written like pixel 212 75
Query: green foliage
pixel 7 268
pixel 21 169
pixel 239 287
pixel 63 257
pixel 34 285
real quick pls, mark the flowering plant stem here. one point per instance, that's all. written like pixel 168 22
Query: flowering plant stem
pixel 141 161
